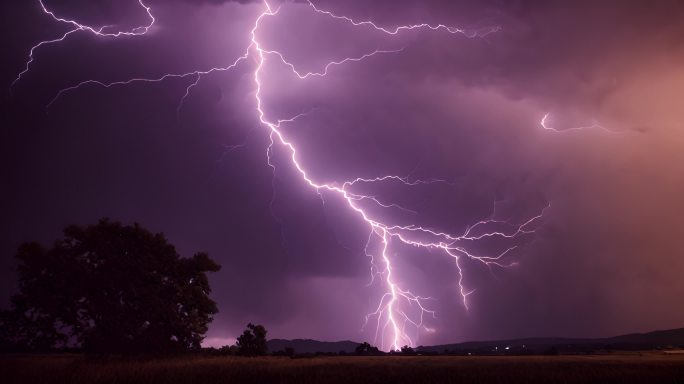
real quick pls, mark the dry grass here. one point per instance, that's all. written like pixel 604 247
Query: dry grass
pixel 646 368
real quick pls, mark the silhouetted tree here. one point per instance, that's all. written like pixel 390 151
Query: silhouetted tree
pixel 406 350
pixel 252 342
pixel 366 349
pixel 110 288
pixel 228 350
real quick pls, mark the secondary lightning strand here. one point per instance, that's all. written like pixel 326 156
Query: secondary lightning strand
pixel 76 26
pixel 545 121
pixel 197 73
pixel 396 30
pixel 324 72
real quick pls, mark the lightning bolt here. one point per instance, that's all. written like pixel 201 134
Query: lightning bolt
pixel 398 308
pixel 453 30
pixel 545 121
pixel 76 27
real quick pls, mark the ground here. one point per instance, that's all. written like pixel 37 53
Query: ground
pixel 649 367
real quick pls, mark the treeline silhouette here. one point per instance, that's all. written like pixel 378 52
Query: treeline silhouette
pixel 106 289
pixel 114 289
pixel 363 349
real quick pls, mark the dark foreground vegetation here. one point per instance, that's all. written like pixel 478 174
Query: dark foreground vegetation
pixel 108 288
pixel 115 295
pixel 648 367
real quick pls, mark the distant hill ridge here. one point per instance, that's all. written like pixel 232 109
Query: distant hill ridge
pixel 633 341
pixel 531 345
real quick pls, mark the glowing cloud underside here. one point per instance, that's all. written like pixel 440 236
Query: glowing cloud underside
pixel 398 308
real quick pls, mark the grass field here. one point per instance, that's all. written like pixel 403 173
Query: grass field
pixel 646 368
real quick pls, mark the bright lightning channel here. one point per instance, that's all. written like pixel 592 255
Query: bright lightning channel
pixel 545 123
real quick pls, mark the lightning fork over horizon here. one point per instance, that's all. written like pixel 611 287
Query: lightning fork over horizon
pixel 399 307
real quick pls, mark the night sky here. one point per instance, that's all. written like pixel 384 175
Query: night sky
pixel 605 258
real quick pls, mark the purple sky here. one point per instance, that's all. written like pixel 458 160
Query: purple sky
pixel 606 258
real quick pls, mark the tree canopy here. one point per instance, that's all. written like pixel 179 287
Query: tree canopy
pixel 367 349
pixel 110 288
pixel 252 342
